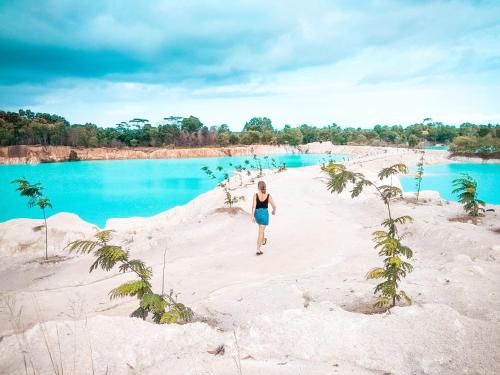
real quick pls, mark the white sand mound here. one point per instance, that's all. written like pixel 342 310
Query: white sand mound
pixel 28 235
pixel 428 339
pixel 296 309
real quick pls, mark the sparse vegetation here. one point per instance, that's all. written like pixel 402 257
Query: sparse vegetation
pixel 164 307
pixel 420 174
pixel 34 193
pixel 466 188
pixel 257 165
pixel 73 156
pixel 388 242
pixel 229 198
pixel 484 144
pixel 26 127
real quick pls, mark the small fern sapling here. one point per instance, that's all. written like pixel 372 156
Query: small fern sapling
pixel 282 167
pixel 420 173
pixel 164 308
pixel 258 165
pixel 388 241
pixel 208 172
pixel 266 159
pixel 35 198
pixel 273 163
pixel 229 199
pixel 240 168
pixel 466 188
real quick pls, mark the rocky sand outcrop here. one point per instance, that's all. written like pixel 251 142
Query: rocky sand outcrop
pixel 48 154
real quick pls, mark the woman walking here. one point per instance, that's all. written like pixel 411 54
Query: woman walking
pixel 260 213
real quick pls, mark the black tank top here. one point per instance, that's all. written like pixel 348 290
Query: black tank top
pixel 262 204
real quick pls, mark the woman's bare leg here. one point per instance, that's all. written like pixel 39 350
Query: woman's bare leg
pixel 260 237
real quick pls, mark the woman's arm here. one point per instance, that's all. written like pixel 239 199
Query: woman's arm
pixel 273 205
pixel 253 208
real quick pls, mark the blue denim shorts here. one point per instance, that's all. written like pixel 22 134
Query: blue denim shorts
pixel 262 216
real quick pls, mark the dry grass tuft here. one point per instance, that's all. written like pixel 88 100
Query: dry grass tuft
pixel 364 308
pixel 212 322
pixel 466 219
pixel 220 350
pixel 50 260
pixel 229 210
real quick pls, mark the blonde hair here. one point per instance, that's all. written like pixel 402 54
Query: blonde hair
pixel 261 185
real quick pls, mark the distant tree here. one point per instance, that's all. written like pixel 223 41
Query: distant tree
pixel 27 127
pixel 35 198
pixel 291 136
pixel 224 128
pixel 168 133
pixel 309 133
pixel 138 122
pixel 335 135
pixel 250 137
pixel 174 120
pixel 234 139
pixel 259 124
pixel 191 124
pixel 223 138
pixel 413 141
pixel 267 137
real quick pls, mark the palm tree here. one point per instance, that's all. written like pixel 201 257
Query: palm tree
pixel 466 188
pixel 35 198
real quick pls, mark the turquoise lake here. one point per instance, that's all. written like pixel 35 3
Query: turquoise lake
pixel 99 190
pixel 436 147
pixel 440 177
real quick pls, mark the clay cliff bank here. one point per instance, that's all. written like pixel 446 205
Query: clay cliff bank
pixel 48 154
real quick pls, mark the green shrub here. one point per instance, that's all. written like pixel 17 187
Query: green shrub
pixel 229 199
pixel 73 156
pixel 466 188
pixel 164 308
pixel 388 242
pixel 250 137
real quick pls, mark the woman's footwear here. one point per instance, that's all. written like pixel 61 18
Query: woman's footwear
pixel 264 242
pixel 259 253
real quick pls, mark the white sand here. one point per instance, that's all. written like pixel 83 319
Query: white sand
pixel 318 252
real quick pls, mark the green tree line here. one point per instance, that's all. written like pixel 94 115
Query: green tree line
pixel 29 128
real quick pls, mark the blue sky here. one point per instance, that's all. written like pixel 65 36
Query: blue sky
pixel 356 63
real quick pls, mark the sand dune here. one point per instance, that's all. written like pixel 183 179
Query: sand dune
pixel 300 308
